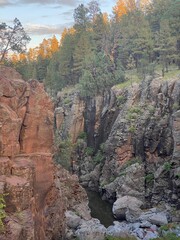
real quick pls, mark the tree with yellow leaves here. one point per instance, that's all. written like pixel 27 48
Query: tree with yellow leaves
pixel 124 6
pixel 119 9
pixel 54 44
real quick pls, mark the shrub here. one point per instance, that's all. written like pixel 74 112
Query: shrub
pixel 168 236
pixel 82 135
pixel 149 178
pixel 2 211
pixel 168 226
pixel 102 147
pixel 151 109
pixel 132 116
pixel 67 101
pixel 98 157
pixel 120 100
pixel 167 166
pixel 176 106
pixel 133 113
pixel 132 129
pixel 64 154
pixel 135 109
pixel 89 151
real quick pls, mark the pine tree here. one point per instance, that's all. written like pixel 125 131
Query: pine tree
pixel 83 48
pixel 99 74
pixel 101 31
pixel 81 18
pixel 165 45
pixel 65 59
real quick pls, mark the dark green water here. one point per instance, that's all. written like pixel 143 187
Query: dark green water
pixel 100 209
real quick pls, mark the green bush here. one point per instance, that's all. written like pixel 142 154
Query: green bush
pixel 168 226
pixel 176 106
pixel 132 116
pixel 133 113
pixel 168 236
pixel 167 166
pixel 67 101
pixel 102 147
pixel 120 100
pixel 135 109
pixel 82 135
pixel 2 212
pixel 89 151
pixel 98 157
pixel 151 109
pixel 132 129
pixel 149 178
pixel 64 154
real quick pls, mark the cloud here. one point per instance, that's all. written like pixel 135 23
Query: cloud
pixel 42 2
pixel 66 15
pixel 4 3
pixel 37 29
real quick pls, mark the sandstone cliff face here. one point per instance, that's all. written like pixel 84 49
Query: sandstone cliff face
pixel 37 194
pixel 136 129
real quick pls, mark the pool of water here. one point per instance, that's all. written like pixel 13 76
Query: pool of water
pixel 100 209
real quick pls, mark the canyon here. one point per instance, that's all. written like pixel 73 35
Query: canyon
pixel 132 135
pixel 125 145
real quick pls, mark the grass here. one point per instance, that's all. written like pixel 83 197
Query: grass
pixel 168 226
pixel 168 236
pixel 132 76
pixel 172 72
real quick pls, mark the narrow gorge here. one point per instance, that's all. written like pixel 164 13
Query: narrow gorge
pixel 124 145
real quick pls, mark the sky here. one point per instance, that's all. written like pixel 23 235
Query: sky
pixel 44 18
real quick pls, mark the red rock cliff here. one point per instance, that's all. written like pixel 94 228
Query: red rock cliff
pixel 35 207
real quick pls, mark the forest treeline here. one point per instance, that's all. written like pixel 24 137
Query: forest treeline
pixel 97 50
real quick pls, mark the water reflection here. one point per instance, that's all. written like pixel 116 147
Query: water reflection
pixel 100 209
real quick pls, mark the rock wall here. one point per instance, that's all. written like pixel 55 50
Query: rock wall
pixel 37 191
pixel 136 129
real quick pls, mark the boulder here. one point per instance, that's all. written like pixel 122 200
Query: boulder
pixel 150 235
pixel 91 229
pixel 72 220
pixel 119 229
pixel 127 208
pixel 157 218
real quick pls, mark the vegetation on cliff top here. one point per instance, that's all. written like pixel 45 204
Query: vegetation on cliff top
pixel 100 51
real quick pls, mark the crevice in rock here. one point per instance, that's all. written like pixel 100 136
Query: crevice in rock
pixel 23 126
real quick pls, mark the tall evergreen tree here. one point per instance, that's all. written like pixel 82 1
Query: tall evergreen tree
pixel 101 31
pixel 66 59
pixel 81 18
pixel 99 74
pixel 83 48
pixel 135 38
pixel 165 45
